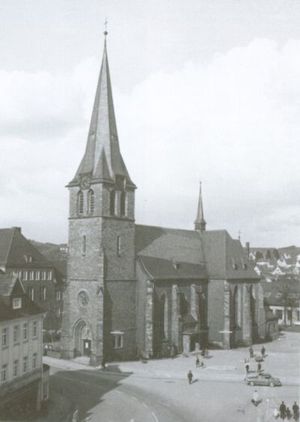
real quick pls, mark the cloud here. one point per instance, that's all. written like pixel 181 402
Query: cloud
pixel 232 122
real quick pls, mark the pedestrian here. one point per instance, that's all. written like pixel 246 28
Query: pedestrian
pixel 197 362
pixel 103 364
pixel 255 398
pixel 295 411
pixel 282 410
pixel 190 376
pixel 263 351
pixel 247 367
pixel 288 413
pixel 251 352
pixel 259 368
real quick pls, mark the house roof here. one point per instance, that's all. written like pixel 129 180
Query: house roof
pixel 11 286
pixel 213 253
pixel 14 247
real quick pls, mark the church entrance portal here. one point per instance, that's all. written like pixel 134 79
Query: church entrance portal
pixel 83 339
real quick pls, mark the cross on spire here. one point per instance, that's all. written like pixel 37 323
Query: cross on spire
pixel 105 27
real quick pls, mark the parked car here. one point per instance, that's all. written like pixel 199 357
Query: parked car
pixel 263 379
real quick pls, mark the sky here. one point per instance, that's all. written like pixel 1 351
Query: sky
pixel 203 90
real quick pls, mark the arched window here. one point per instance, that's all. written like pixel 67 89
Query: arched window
pixel 80 202
pixel 112 202
pixel 123 204
pixel 91 201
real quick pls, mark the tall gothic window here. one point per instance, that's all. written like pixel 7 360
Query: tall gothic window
pixel 123 204
pixel 91 201
pixel 119 245
pixel 112 202
pixel 80 202
pixel 83 245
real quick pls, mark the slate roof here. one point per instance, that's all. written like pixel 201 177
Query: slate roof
pixel 212 253
pixel 226 258
pixel 14 247
pixel 11 286
pixel 169 244
pixel 163 269
pixel 102 158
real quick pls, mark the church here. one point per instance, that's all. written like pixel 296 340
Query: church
pixel 143 291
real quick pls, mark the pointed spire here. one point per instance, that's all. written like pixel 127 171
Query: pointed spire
pixel 103 135
pixel 200 223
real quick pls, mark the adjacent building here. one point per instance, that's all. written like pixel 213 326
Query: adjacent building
pixel 41 281
pixel 23 378
pixel 136 290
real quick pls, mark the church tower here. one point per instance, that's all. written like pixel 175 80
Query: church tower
pixel 99 302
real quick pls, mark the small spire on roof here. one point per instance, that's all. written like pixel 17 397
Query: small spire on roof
pixel 200 223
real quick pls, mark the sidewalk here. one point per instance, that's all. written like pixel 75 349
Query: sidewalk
pixel 222 365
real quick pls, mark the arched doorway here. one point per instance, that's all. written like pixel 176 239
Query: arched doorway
pixel 83 339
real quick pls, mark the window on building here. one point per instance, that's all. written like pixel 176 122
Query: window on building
pixel 112 202
pixel 38 275
pixel 31 275
pixel 34 360
pixel 123 204
pixel 17 303
pixel 4 373
pixel 31 293
pixel 83 244
pixel 25 364
pixel 119 246
pixel 44 293
pixel 25 275
pixel 25 331
pixel 16 368
pixel 4 337
pixel 16 333
pixel 58 295
pixel 80 202
pixel 34 329
pixel 118 339
pixel 44 275
pixel 20 275
pixel 91 201
pixel 49 275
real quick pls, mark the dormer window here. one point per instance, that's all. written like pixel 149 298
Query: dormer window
pixel 28 258
pixel 234 264
pixel 17 303
pixel 175 265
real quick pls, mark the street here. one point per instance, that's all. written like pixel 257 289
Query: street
pixel 159 391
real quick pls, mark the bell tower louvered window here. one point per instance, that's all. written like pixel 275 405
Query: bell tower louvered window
pixel 91 201
pixel 80 202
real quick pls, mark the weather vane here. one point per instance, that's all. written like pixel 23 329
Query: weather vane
pixel 105 27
